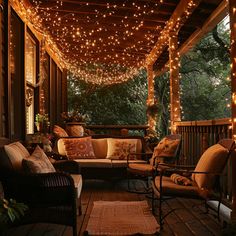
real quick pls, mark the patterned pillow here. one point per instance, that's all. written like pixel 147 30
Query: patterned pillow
pixel 165 148
pixel 16 153
pixel 119 149
pixel 77 148
pixel 180 180
pixel 59 131
pixel 38 162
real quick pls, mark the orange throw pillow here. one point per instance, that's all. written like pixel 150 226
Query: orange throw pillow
pixel 77 148
pixel 59 131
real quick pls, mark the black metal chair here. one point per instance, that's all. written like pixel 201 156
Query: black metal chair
pixel 199 183
pixel 145 171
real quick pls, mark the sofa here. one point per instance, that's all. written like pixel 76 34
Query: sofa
pixel 103 156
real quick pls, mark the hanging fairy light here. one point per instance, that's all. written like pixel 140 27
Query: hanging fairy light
pixel 78 38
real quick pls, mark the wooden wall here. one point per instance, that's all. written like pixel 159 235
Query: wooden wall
pixel 51 95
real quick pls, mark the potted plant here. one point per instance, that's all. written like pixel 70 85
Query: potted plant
pixel 75 122
pixel 42 122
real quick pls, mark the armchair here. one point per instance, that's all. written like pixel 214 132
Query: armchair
pixel 51 197
pixel 202 182
pixel 167 150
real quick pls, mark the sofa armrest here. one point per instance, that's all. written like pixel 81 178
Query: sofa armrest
pixel 49 189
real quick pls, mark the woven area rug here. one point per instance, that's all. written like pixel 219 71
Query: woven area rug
pixel 121 218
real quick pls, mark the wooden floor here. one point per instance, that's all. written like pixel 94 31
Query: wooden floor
pixel 188 220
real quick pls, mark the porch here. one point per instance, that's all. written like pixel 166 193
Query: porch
pixel 188 220
pixel 36 44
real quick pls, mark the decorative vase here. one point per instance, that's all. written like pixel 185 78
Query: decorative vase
pixel 75 129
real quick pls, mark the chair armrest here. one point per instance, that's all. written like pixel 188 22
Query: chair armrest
pixel 49 189
pixel 68 166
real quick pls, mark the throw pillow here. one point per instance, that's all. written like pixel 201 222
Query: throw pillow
pixel 180 180
pixel 119 149
pixel 165 148
pixel 77 148
pixel 212 160
pixel 38 162
pixel 59 132
pixel 16 153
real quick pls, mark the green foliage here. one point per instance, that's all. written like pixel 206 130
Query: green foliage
pixel 205 91
pixel 118 104
pixel 10 211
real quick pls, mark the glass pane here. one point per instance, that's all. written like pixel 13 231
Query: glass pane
pixel 30 60
pixel 30 75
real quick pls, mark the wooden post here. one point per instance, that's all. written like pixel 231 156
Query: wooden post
pixel 150 100
pixel 174 80
pixel 232 14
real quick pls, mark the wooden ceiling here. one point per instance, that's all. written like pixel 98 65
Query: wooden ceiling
pixel 120 32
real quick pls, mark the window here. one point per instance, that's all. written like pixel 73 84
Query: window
pixel 30 76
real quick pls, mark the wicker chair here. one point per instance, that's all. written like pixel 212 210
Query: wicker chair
pixel 202 182
pixel 51 197
pixel 146 170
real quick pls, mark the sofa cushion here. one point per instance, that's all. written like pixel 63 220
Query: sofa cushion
pixel 94 163
pixel 16 153
pixel 59 131
pixel 120 149
pixel 100 147
pixel 38 162
pixel 212 160
pixel 79 148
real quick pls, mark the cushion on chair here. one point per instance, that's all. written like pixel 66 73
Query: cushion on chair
pixel 16 153
pixel 141 169
pixel 170 188
pixel 181 180
pixel 212 160
pixel 165 148
pixel 38 162
pixel 59 131
pixel 123 163
pixel 79 148
pixel 119 149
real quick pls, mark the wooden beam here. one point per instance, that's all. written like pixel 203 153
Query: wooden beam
pixel 219 14
pixel 178 18
pixel 175 113
pixel 232 14
pixel 151 99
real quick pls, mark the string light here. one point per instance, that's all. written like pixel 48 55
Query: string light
pixel 80 46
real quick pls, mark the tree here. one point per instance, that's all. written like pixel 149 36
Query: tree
pixel 118 104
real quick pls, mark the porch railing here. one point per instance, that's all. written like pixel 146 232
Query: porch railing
pixel 197 136
pixel 118 129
